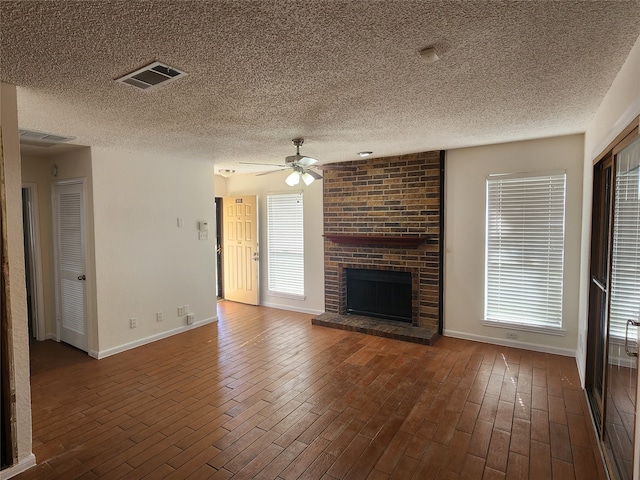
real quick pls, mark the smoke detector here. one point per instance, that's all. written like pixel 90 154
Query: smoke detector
pixel 152 76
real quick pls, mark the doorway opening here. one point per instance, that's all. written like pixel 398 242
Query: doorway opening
pixel 32 262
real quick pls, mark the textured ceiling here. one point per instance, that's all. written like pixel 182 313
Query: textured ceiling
pixel 345 75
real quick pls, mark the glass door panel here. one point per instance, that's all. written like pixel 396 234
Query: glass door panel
pixel 599 288
pixel 624 314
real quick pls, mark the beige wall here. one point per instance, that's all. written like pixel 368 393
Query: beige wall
pixel 465 213
pixel 144 262
pixel 17 301
pixel 220 185
pixel 313 240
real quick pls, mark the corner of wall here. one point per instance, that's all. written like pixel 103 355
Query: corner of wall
pixel 16 313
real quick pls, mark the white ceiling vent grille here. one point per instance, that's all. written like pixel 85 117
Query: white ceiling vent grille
pixel 41 139
pixel 152 76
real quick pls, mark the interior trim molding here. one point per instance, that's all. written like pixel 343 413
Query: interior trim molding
pixel 150 339
pixel 291 308
pixel 379 240
pixel 22 466
pixel 566 352
pixel 629 119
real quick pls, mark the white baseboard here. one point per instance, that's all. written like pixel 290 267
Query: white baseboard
pixel 23 465
pixel 581 372
pixel 152 338
pixel 291 309
pixel 511 343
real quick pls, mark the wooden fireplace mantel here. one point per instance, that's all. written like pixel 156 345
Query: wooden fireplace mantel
pixel 384 241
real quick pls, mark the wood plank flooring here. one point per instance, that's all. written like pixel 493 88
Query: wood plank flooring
pixel 264 394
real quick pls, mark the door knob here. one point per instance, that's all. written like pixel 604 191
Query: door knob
pixel 82 277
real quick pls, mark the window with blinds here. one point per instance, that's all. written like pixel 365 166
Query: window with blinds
pixel 285 244
pixel 525 251
pixel 625 264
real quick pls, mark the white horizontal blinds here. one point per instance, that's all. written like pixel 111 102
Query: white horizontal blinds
pixel 525 249
pixel 625 267
pixel 70 232
pixel 285 243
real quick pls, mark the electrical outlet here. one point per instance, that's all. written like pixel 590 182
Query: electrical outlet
pixel 133 322
pixel 191 318
pixel 158 316
pixel 512 335
pixel 181 311
pixel 185 309
pixel 203 235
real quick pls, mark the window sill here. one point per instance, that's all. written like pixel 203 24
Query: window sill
pixel 291 296
pixel 525 327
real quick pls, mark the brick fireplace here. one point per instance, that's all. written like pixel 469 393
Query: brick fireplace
pixel 386 215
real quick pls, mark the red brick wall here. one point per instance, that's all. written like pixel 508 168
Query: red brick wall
pixel 390 197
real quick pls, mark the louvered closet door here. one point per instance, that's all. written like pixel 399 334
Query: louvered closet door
pixel 70 249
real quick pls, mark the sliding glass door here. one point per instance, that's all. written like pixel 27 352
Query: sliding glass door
pixel 614 310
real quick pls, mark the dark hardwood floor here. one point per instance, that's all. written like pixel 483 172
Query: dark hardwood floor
pixel 265 394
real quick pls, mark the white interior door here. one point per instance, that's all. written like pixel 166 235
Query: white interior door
pixel 69 221
pixel 240 249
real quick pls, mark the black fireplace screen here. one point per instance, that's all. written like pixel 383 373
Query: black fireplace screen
pixel 379 293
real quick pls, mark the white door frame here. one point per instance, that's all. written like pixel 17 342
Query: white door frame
pixel 36 256
pixel 72 181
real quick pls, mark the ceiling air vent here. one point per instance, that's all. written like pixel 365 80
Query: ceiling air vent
pixel 152 76
pixel 41 139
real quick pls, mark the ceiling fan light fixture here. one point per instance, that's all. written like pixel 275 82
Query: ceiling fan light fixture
pixel 307 178
pixel 293 179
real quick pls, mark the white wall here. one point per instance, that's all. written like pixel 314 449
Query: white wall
pixel 619 107
pixel 145 262
pixel 220 185
pixel 16 299
pixel 313 240
pixel 465 212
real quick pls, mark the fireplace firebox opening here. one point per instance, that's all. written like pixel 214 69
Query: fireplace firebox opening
pixel 379 293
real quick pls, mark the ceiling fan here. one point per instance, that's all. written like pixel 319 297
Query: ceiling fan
pixel 302 167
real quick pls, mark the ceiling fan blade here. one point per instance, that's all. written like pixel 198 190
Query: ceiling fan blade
pixel 272 171
pixel 307 161
pixel 315 175
pixel 344 168
pixel 266 164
